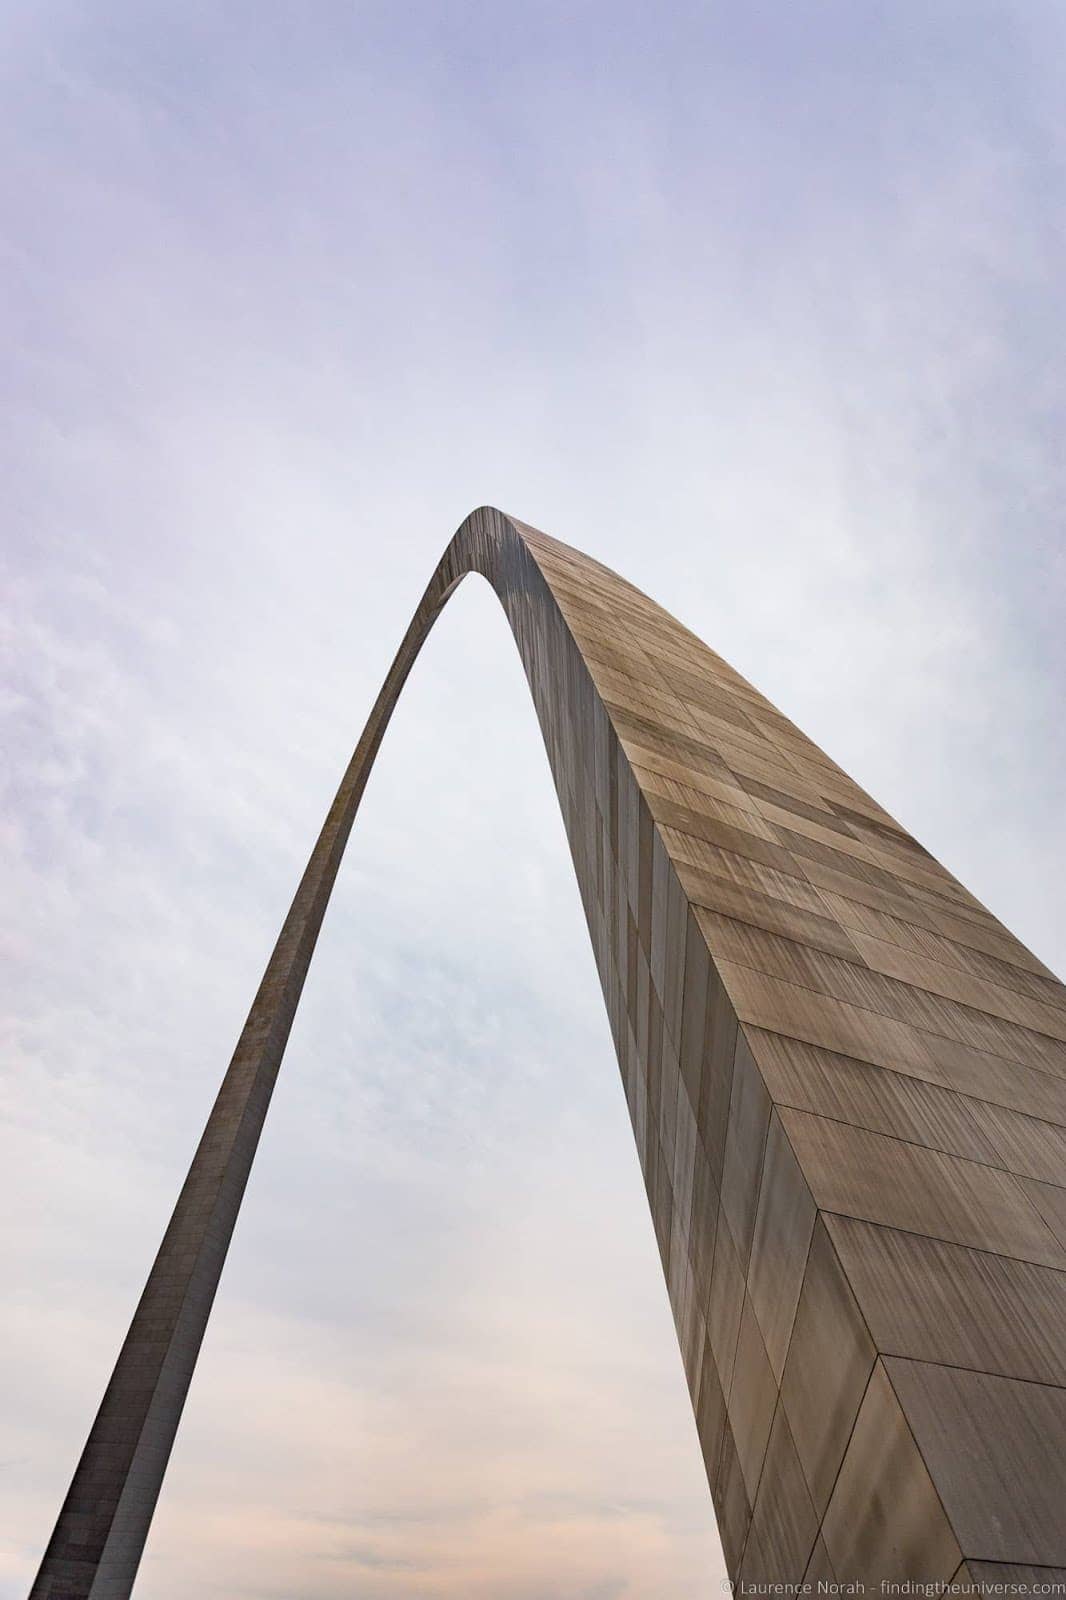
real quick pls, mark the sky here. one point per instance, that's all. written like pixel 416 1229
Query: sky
pixel 762 305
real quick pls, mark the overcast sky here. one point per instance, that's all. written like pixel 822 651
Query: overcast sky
pixel 762 304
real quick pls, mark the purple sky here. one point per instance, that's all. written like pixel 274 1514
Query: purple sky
pixel 761 304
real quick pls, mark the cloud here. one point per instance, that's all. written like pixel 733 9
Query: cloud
pixel 762 308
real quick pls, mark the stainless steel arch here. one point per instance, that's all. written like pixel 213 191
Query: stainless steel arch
pixel 847 1083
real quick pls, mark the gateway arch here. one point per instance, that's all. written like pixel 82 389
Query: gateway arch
pixel 847 1085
